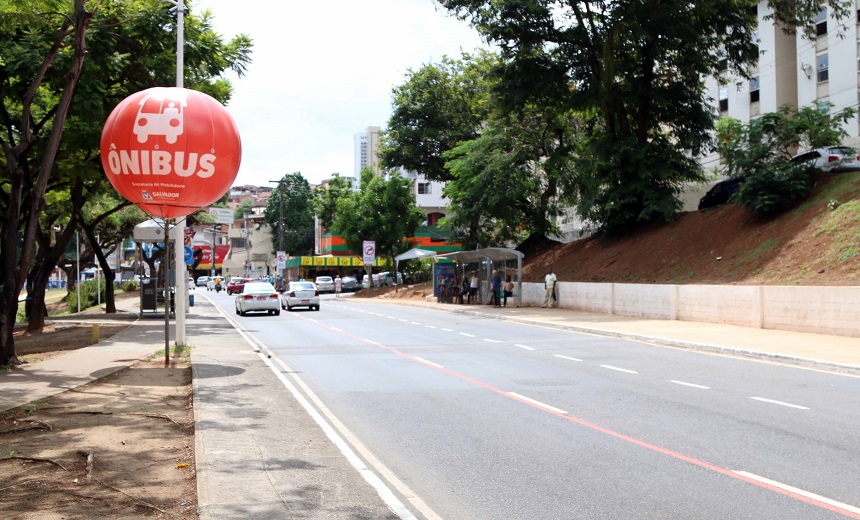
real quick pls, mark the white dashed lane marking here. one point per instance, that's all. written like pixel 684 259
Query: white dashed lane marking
pixel 692 385
pixel 523 346
pixel 565 357
pixel 610 367
pixel 781 403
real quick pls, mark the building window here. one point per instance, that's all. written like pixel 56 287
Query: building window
pixel 724 99
pixel 424 188
pixel 821 23
pixel 754 94
pixel 823 67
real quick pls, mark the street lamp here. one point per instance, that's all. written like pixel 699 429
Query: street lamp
pixel 179 11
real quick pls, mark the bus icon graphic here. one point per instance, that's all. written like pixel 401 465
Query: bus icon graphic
pixel 145 194
pixel 160 116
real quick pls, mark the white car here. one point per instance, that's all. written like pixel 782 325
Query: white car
pixel 324 283
pixel 258 296
pixel 301 294
pixel 833 159
pixel 202 281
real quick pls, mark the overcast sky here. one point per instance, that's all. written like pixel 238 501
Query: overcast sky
pixel 323 71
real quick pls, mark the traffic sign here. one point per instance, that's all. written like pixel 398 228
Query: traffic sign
pixel 189 255
pixel 222 215
pixel 369 251
pixel 282 259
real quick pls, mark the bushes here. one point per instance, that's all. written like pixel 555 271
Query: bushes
pixel 777 188
pixel 89 292
pixel 129 286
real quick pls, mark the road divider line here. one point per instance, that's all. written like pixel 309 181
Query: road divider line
pixel 467 335
pixel 537 403
pixel 610 367
pixel 448 330
pixel 523 346
pixel 801 492
pixel 567 357
pixel 692 385
pixel 432 364
pixel 335 329
pixel 781 403
pixel 415 323
pixel 430 326
pixel 491 340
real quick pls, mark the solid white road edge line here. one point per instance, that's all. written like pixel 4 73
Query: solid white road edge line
pixel 781 403
pixel 437 365
pixel 523 346
pixel 793 489
pixel 382 490
pixel 566 357
pixel 693 385
pixel 537 403
pixel 610 367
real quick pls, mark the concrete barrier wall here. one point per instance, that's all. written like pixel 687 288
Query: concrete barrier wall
pixel 820 310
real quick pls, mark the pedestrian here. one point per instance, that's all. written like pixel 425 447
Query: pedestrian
pixel 338 284
pixel 496 288
pixel 474 283
pixel 507 290
pixel 441 284
pixel 549 285
pixel 464 290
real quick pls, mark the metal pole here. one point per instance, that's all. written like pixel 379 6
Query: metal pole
pixel 179 247
pixel 281 226
pixel 78 281
pixel 98 278
pixel 166 271
pixel 213 250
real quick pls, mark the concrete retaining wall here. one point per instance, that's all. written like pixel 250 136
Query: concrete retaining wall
pixel 820 310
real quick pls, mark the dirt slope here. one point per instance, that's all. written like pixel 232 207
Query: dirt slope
pixel 816 243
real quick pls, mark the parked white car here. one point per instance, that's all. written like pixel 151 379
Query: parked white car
pixel 324 283
pixel 258 296
pixel 301 294
pixel 835 159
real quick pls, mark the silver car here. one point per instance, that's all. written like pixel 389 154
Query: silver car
pixel 324 283
pixel 258 296
pixel 301 294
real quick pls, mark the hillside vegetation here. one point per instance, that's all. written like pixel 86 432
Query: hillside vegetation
pixel 816 243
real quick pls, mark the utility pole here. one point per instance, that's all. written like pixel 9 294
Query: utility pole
pixel 280 223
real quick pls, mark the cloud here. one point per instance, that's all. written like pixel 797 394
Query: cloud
pixel 323 71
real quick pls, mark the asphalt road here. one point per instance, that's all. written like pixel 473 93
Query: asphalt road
pixel 487 419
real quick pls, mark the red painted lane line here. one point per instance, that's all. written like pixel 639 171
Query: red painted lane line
pixel 601 429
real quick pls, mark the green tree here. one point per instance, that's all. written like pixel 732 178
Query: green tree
pixel 439 106
pixel 761 151
pixel 382 210
pixel 298 228
pixel 326 199
pixel 63 69
pixel 636 68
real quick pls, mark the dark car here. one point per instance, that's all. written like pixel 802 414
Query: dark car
pixel 236 285
pixel 721 192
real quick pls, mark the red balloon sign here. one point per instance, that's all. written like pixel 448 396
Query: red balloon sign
pixel 171 151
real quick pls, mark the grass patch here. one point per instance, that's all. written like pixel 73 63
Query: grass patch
pixel 842 225
pixel 752 256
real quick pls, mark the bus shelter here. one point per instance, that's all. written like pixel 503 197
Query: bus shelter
pixel 492 258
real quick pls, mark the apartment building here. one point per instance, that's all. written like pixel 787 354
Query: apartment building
pixel 795 70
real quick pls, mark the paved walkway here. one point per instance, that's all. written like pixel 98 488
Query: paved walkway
pixel 260 453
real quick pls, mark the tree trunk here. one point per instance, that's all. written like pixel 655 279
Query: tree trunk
pixel 15 266
pixel 110 302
